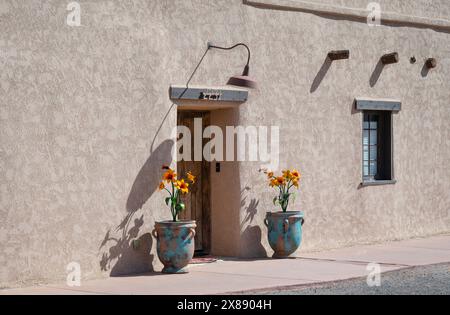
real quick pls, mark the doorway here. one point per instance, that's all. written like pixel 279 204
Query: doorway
pixel 198 201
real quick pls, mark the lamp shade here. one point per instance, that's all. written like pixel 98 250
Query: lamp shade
pixel 243 80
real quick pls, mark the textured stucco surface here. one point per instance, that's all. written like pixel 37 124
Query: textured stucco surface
pixel 85 124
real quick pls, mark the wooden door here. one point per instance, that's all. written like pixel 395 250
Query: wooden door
pixel 198 201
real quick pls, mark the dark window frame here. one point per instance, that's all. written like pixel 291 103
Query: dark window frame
pixel 384 147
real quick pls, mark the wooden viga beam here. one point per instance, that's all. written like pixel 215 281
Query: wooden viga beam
pixel 339 54
pixel 431 63
pixel 390 58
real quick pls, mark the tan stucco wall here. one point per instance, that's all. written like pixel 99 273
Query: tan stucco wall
pixel 85 124
pixel 323 134
pixel 421 8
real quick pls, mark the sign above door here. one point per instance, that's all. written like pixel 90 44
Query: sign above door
pixel 208 94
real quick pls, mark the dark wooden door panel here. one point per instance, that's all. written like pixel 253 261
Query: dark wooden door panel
pixel 198 201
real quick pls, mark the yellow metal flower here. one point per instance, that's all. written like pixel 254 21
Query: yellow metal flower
pixel 270 175
pixel 182 186
pixel 287 174
pixel 170 176
pixel 273 183
pixel 191 177
pixel 295 183
pixel 295 174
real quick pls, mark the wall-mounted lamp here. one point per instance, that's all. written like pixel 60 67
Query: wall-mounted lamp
pixel 390 58
pixel 243 80
pixel 339 54
pixel 431 63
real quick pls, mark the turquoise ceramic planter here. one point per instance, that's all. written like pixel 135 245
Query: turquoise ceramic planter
pixel 175 244
pixel 284 232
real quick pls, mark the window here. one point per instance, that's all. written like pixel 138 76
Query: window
pixel 377 147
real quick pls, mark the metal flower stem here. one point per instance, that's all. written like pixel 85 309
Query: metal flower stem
pixel 172 204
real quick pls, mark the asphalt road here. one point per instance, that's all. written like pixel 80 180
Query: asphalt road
pixel 428 280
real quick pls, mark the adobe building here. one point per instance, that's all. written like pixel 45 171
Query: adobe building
pixel 87 114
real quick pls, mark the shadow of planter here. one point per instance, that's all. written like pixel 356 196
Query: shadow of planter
pixel 126 253
pixel 251 237
pixel 251 240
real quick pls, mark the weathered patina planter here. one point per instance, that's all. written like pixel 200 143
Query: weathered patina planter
pixel 175 244
pixel 284 232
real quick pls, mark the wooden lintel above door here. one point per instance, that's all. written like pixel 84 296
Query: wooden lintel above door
pixel 207 98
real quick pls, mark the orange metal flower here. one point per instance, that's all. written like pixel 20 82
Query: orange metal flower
pixel 295 174
pixel 170 176
pixel 280 180
pixel 191 177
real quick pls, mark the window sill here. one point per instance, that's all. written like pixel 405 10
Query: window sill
pixel 378 182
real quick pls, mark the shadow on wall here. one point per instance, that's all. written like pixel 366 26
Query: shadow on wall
pixel 425 71
pixel 121 258
pixel 126 254
pixel 251 237
pixel 321 74
pixel 376 73
pixel 149 176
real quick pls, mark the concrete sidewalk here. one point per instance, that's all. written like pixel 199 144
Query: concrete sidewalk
pixel 228 275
